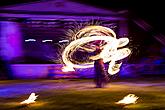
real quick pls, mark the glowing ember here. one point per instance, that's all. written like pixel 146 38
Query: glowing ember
pixel 110 52
pixel 129 99
pixel 67 68
pixel 31 99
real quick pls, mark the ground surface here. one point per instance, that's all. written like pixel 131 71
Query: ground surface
pixel 81 94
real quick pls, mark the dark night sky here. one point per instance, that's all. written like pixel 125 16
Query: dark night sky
pixel 150 11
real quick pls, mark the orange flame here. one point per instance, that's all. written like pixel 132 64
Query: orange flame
pixel 31 99
pixel 129 99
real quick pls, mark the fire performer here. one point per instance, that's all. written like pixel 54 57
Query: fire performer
pixel 100 76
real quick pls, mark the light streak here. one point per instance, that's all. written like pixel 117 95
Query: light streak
pixel 47 40
pixel 61 41
pixel 28 40
pixel 110 52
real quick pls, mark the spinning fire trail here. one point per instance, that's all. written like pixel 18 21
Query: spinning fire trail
pixel 86 40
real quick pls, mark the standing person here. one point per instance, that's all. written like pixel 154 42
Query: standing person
pixel 100 77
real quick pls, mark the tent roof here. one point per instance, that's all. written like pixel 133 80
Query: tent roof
pixel 56 8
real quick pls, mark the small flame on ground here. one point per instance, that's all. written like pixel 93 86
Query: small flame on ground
pixel 31 99
pixel 129 99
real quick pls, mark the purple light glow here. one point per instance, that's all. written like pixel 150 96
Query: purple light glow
pixel 35 71
pixel 10 40
pixel 17 89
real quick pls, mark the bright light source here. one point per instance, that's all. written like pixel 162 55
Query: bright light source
pixel 28 40
pixel 129 99
pixel 47 40
pixel 31 99
pixel 67 68
pixel 63 41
